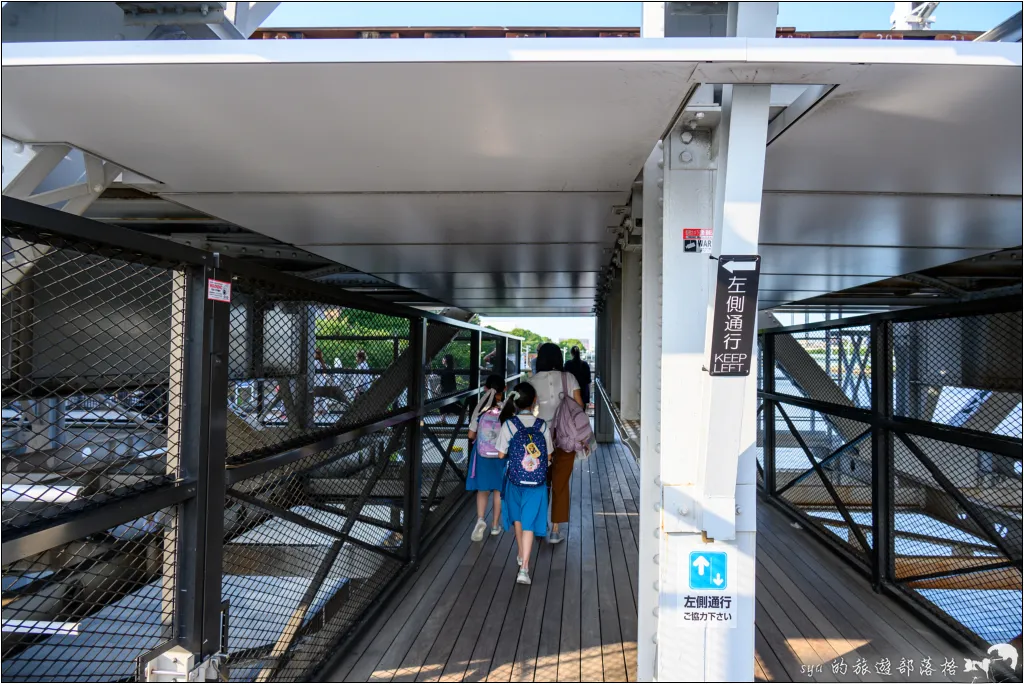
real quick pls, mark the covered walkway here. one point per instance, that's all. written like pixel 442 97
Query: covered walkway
pixel 463 618
pixel 239 358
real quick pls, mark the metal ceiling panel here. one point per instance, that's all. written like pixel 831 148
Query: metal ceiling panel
pixel 839 218
pixel 489 166
pixel 396 218
pixel 492 257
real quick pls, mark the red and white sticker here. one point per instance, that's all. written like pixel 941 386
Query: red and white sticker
pixel 218 290
pixel 697 240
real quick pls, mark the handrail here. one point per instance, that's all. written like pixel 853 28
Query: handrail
pixel 617 419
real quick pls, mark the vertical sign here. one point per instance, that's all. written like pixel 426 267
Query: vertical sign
pixel 735 322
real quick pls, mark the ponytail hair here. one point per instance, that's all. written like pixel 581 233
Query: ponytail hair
pixel 520 398
pixel 494 386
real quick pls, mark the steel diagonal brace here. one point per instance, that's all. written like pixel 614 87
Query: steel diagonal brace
pixel 26 167
pixel 976 513
pixel 826 482
pixel 828 459
pixel 291 629
pixel 447 459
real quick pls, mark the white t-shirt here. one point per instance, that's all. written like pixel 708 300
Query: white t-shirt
pixel 508 430
pixel 549 391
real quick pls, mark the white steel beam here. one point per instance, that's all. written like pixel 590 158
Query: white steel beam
pixel 29 168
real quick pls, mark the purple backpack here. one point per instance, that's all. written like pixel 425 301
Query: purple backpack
pixel 572 431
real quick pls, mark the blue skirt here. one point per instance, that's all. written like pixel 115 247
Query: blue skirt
pixel 525 505
pixel 484 474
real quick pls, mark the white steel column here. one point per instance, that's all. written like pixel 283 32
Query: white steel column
pixel 689 194
pixel 652 25
pixel 629 330
pixel 650 417
pixel 729 477
pixel 712 178
pixel 614 333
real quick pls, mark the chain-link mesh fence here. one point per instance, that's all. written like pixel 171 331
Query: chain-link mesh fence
pixel 488 356
pixel 832 365
pixel 445 458
pixel 301 369
pixel 823 468
pixel 93 342
pixel 448 369
pixel 90 403
pixel 513 357
pixel 84 611
pixel 307 548
pixel 329 477
pixel 951 504
pixel 960 371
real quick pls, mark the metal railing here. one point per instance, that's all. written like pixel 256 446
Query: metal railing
pixel 183 469
pixel 896 438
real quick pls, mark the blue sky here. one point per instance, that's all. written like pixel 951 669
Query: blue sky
pixel 807 16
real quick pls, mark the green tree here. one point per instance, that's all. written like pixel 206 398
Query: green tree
pixel 568 344
pixel 530 338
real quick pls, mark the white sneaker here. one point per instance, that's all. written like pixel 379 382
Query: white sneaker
pixel 523 577
pixel 556 537
pixel 495 531
pixel 519 561
pixel 478 530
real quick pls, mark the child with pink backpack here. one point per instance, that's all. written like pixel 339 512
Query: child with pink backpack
pixel 486 470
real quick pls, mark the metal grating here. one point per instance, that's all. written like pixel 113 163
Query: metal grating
pixel 448 371
pixel 445 457
pixel 157 424
pixel 939 460
pixel 84 611
pixel 832 365
pixel 962 372
pixel 306 549
pixel 301 369
pixel 823 467
pixel 89 401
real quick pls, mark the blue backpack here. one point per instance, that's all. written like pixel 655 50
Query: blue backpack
pixel 527 455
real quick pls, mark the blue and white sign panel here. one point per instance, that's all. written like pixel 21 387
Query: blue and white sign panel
pixel 709 597
pixel 709 570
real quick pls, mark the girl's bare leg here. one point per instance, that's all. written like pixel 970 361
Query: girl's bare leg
pixel 526 547
pixel 497 509
pixel 481 504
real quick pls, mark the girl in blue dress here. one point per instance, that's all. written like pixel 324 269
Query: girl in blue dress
pixel 525 441
pixel 486 470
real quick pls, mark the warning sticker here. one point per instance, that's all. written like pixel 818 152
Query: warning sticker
pixel 697 240
pixel 218 290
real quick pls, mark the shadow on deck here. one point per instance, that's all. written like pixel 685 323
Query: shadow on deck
pixel 462 617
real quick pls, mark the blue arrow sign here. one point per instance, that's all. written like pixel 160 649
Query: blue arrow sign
pixel 709 570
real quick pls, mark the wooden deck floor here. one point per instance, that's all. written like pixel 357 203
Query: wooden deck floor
pixel 813 609
pixel 463 618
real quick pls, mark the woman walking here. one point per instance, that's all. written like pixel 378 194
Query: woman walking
pixel 548 384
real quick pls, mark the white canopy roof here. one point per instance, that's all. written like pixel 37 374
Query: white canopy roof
pixel 485 172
